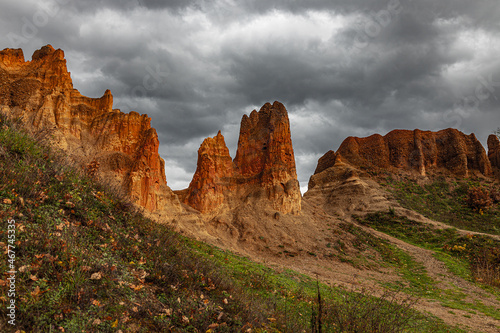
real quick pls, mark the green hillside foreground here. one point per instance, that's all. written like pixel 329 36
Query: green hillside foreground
pixel 86 261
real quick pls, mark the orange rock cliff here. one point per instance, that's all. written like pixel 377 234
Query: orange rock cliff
pixel 213 176
pixel 415 151
pixel 264 166
pixel 40 92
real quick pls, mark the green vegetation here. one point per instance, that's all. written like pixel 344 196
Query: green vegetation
pixel 414 277
pixel 475 257
pixel 86 261
pixel 446 201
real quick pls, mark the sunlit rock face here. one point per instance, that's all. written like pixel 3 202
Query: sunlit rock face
pixel 40 92
pixel 213 176
pixel 418 151
pixel 264 164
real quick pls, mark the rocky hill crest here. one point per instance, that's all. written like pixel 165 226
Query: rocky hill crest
pixel 417 151
pixel 40 92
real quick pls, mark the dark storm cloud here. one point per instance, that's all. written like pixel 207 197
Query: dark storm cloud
pixel 341 68
pixel 126 5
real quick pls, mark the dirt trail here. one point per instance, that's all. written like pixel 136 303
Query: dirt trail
pixel 368 196
pixel 412 215
pixel 448 281
pixel 335 273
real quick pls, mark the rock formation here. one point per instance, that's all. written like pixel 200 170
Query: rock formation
pixel 494 152
pixel 265 157
pixel 40 92
pixel 213 176
pixel 264 165
pixel 415 151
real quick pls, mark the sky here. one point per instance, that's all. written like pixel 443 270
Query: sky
pixel 341 67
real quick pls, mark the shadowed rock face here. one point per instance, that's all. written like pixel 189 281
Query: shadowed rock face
pixel 264 164
pixel 417 151
pixel 494 152
pixel 41 93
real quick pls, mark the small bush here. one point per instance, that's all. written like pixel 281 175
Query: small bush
pixel 92 169
pixel 361 312
pixel 485 267
pixel 495 195
pixel 479 199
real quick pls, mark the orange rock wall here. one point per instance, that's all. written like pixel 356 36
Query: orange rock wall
pixel 417 150
pixel 41 93
pixel 265 157
pixel 213 176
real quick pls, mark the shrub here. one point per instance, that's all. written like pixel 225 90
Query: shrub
pixel 495 195
pixel 479 199
pixel 485 266
pixel 92 169
pixel 361 312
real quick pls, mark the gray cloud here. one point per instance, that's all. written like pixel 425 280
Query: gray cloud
pixel 342 68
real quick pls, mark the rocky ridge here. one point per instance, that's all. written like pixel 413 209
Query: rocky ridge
pixel 345 181
pixel 40 92
pixel 420 152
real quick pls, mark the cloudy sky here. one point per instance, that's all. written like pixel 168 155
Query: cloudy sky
pixel 341 67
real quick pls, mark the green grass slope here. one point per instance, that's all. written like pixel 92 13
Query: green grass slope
pixel 445 200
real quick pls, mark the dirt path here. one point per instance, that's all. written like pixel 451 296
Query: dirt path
pixel 438 271
pixel 343 274
pixel 412 215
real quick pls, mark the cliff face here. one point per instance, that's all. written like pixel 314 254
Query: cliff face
pixel 494 152
pixel 213 176
pixel 265 157
pixel 264 163
pixel 40 92
pixel 416 151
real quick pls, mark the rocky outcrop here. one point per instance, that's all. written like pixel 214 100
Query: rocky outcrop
pixel 265 157
pixel 213 176
pixel 414 151
pixel 494 152
pixel 40 92
pixel 264 166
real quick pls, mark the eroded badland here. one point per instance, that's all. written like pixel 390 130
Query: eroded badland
pixel 371 191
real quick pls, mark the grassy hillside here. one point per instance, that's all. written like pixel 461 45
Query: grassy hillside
pixel 85 261
pixel 446 200
pixel 475 258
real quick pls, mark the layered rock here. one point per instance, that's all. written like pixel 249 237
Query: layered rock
pixel 40 92
pixel 265 156
pixel 264 164
pixel 213 176
pixel 415 151
pixel 494 151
